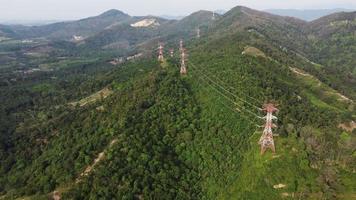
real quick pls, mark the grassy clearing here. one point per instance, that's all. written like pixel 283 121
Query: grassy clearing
pixel 320 94
pixel 253 51
pixel 318 102
pixel 102 94
pixel 282 176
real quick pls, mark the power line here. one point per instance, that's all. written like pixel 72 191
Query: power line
pixel 233 110
pixel 228 107
pixel 226 97
pixel 238 98
pixel 223 82
pixel 193 66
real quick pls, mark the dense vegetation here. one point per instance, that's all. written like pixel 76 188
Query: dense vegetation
pixel 74 124
pixel 149 160
pixel 41 114
pixel 301 119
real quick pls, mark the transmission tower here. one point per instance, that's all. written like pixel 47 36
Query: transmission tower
pixel 213 18
pixel 266 141
pixel 160 52
pixel 183 66
pixel 171 51
pixel 181 46
pixel 198 32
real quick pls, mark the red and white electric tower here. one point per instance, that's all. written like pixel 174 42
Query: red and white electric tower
pixel 266 140
pixel 181 46
pixel 171 51
pixel 160 52
pixel 183 66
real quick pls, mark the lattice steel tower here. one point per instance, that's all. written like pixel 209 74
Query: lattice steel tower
pixel 266 140
pixel 160 53
pixel 183 66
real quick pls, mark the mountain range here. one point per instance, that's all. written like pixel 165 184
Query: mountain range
pixel 89 113
pixel 307 15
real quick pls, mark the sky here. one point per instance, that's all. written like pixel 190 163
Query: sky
pixel 76 9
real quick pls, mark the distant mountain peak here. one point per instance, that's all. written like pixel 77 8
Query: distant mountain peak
pixel 112 12
pixel 241 8
pixel 220 11
pixel 199 17
pixel 308 15
pixel 202 14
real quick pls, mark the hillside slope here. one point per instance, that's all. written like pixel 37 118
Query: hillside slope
pixel 67 30
pixel 325 45
pixel 127 36
pixel 153 133
pixel 308 15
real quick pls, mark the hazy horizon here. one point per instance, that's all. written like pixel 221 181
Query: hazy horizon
pixel 43 10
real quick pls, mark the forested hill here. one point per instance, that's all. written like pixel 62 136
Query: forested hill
pixel 308 15
pixel 325 45
pixel 66 30
pixel 105 124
